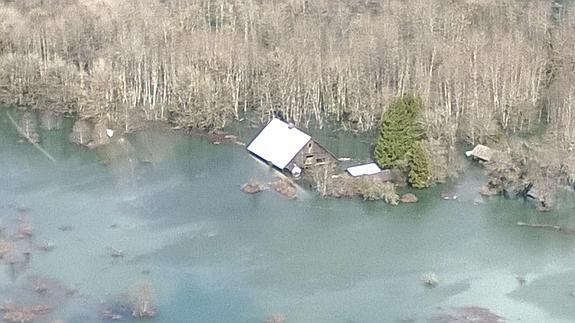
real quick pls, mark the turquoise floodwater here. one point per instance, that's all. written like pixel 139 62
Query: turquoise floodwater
pixel 215 254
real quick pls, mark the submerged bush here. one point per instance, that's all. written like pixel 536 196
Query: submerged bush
pixel 142 302
pixel 374 189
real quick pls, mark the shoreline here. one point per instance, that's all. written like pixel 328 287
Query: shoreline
pixel 97 138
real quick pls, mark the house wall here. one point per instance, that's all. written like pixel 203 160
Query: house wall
pixel 313 155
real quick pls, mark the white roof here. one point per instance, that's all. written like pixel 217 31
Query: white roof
pixel 278 143
pixel 365 169
pixel 481 152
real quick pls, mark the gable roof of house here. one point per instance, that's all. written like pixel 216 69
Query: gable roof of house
pixel 481 152
pixel 278 143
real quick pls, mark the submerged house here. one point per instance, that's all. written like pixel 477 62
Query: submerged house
pixel 289 149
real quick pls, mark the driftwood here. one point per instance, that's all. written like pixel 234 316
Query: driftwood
pixel 547 226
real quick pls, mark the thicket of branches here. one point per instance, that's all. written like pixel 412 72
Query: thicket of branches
pixel 484 68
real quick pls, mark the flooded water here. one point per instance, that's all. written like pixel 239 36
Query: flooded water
pixel 168 210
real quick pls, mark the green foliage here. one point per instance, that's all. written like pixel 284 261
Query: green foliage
pixel 398 144
pixel 398 132
pixel 419 170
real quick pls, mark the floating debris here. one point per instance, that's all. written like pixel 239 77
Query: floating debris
pixel 276 318
pixel 40 286
pixel 23 313
pixel 65 228
pixel 252 187
pixel 521 280
pixel 430 279
pixel 46 246
pixel 469 314
pixel 221 137
pixel 53 289
pixel 547 226
pixel 115 253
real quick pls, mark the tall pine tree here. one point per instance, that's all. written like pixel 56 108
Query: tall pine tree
pixel 398 143
pixel 419 173
pixel 398 132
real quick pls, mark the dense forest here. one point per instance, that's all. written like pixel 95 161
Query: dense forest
pixel 486 70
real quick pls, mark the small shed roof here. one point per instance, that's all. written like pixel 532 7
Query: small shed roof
pixel 365 169
pixel 481 152
pixel 278 143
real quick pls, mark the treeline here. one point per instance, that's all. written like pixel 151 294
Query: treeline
pixel 484 69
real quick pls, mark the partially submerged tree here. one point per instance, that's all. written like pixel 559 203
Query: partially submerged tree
pixel 398 132
pixel 419 173
pixel 399 142
pixel 142 301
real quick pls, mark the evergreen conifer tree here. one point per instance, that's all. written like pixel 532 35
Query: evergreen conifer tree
pixel 398 144
pixel 419 172
pixel 398 132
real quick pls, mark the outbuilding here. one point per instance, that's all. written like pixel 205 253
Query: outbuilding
pixel 481 152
